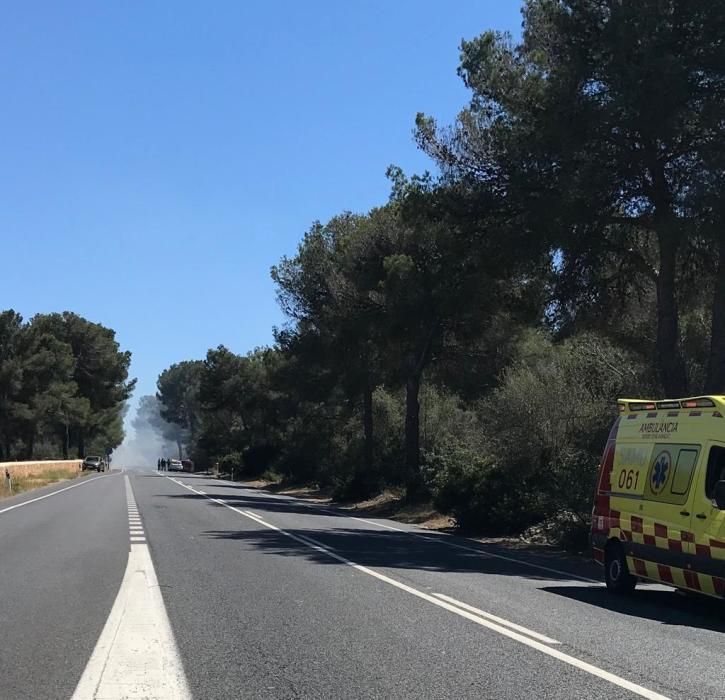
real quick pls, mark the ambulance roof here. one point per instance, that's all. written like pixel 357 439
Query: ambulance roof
pixel 692 402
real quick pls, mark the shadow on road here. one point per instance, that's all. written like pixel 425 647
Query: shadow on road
pixel 395 550
pixel 443 547
pixel 368 546
pixel 669 607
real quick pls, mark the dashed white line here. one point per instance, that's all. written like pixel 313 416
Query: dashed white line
pixel 136 654
pixel 498 620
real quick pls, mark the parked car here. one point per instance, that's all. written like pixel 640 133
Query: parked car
pixel 96 463
pixel 176 466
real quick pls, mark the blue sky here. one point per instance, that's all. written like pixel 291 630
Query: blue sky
pixel 158 157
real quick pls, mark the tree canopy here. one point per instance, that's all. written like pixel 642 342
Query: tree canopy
pixel 63 386
pixel 468 338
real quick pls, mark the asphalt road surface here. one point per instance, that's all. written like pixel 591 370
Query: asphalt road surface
pixel 142 584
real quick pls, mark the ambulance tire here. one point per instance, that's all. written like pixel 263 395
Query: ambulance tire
pixel 616 573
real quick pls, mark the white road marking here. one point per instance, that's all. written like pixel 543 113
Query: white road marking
pixel 136 654
pixel 480 552
pixel 440 538
pixel 496 619
pixel 372 522
pixel 55 493
pixel 500 629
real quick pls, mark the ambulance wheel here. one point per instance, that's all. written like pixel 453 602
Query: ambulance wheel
pixel 616 573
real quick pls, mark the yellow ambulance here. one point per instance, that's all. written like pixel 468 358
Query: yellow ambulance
pixel 659 505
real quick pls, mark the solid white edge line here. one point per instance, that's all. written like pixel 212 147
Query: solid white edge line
pixel 498 620
pixel 505 631
pixel 54 493
pixel 440 538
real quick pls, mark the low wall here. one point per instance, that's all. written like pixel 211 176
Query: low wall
pixel 19 470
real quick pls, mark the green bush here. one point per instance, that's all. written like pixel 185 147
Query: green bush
pixel 479 494
pixel 231 464
pixel 530 451
pixel 553 412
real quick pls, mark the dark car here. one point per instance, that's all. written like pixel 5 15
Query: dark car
pixel 97 463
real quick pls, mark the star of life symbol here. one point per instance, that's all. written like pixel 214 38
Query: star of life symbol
pixel 660 472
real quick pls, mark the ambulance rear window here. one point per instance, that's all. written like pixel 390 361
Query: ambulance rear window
pixel 686 461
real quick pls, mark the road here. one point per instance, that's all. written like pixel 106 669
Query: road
pixel 144 584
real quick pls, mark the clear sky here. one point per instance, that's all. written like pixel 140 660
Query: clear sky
pixel 156 158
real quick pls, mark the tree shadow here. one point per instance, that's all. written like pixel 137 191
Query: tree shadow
pixel 527 556
pixel 670 607
pixel 416 550
pixel 394 550
pixel 397 550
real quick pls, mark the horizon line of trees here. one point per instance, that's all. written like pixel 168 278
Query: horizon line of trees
pixel 469 338
pixel 63 387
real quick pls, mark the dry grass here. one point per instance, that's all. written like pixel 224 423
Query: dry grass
pixel 32 475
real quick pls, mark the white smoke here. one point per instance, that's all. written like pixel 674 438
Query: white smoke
pixel 140 449
pixel 145 442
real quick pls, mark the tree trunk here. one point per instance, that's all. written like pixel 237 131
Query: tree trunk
pixel 412 436
pixel 715 381
pixel 670 364
pixel 30 445
pixel 81 445
pixel 368 429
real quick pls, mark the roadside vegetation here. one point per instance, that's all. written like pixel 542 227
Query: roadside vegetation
pixel 467 340
pixel 63 387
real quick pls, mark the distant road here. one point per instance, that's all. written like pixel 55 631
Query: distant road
pixel 141 584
